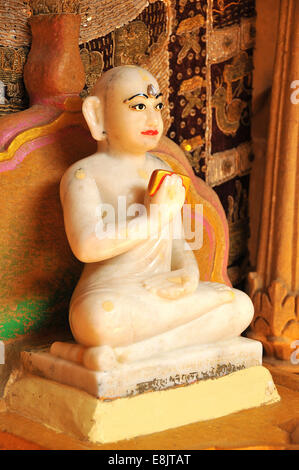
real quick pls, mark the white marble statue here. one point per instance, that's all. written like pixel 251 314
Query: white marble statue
pixel 137 296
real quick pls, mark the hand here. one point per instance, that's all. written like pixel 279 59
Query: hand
pixel 170 196
pixel 172 285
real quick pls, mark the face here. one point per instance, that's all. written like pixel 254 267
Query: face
pixel 133 120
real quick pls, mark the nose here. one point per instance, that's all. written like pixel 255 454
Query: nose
pixel 152 118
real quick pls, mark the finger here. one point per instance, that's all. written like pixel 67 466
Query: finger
pixel 176 181
pixel 169 295
pixel 167 180
pixel 170 290
pixel 153 282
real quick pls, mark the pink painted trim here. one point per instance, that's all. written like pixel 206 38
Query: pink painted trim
pixel 210 234
pixel 226 234
pixel 29 147
pixel 23 151
pixel 212 242
pixel 13 125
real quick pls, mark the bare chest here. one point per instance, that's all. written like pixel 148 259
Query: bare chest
pixel 124 185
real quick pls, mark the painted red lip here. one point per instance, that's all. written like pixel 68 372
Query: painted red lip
pixel 150 132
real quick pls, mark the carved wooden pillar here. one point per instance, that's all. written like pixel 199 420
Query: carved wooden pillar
pixel 274 287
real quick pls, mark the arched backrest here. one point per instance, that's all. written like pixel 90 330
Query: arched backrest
pixel 212 255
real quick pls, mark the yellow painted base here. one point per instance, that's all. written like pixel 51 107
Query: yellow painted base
pixel 79 414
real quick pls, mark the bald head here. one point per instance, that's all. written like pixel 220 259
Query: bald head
pixel 126 77
pixel 124 110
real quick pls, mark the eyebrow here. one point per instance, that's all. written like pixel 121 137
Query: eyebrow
pixel 134 96
pixel 141 94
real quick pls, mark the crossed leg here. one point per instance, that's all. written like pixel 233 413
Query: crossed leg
pixel 117 338
pixel 224 322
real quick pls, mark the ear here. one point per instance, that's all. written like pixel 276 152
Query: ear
pixel 92 110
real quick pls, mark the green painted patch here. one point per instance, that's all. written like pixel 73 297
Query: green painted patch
pixel 36 259
pixel 33 314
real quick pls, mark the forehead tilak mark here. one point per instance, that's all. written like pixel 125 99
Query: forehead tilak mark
pixel 151 90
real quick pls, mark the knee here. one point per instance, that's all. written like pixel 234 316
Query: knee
pixel 98 321
pixel 244 309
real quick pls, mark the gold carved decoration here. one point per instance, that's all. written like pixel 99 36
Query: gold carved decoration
pixel 228 114
pixel 12 60
pixel 158 64
pixel 11 75
pixel 44 7
pixel 191 144
pixel 222 6
pixel 276 317
pixel 188 34
pixel 241 66
pixel 238 223
pixel 194 145
pixel 224 43
pixel 93 65
pixel 191 90
pixel 248 33
pixel 227 42
pixel 131 44
pixel 98 18
pixel 225 165
pixel 228 106
pixel 182 4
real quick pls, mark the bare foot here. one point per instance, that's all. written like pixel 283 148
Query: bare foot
pixel 100 358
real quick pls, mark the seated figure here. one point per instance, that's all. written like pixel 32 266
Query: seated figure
pixel 137 297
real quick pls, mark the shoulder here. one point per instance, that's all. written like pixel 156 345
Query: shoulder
pixel 78 174
pixel 85 163
pixel 90 167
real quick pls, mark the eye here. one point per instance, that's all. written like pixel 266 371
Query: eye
pixel 138 107
pixel 160 106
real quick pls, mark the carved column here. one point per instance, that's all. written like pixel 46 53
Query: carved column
pixel 274 287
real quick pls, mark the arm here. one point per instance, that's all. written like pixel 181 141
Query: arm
pixel 183 257
pixel 183 277
pixel 81 201
pixel 90 239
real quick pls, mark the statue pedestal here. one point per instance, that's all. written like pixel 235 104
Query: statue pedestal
pixel 226 378
pixel 175 368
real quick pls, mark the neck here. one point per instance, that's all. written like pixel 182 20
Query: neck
pixel 136 158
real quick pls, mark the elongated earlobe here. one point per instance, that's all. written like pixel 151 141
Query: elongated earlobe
pixel 92 110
